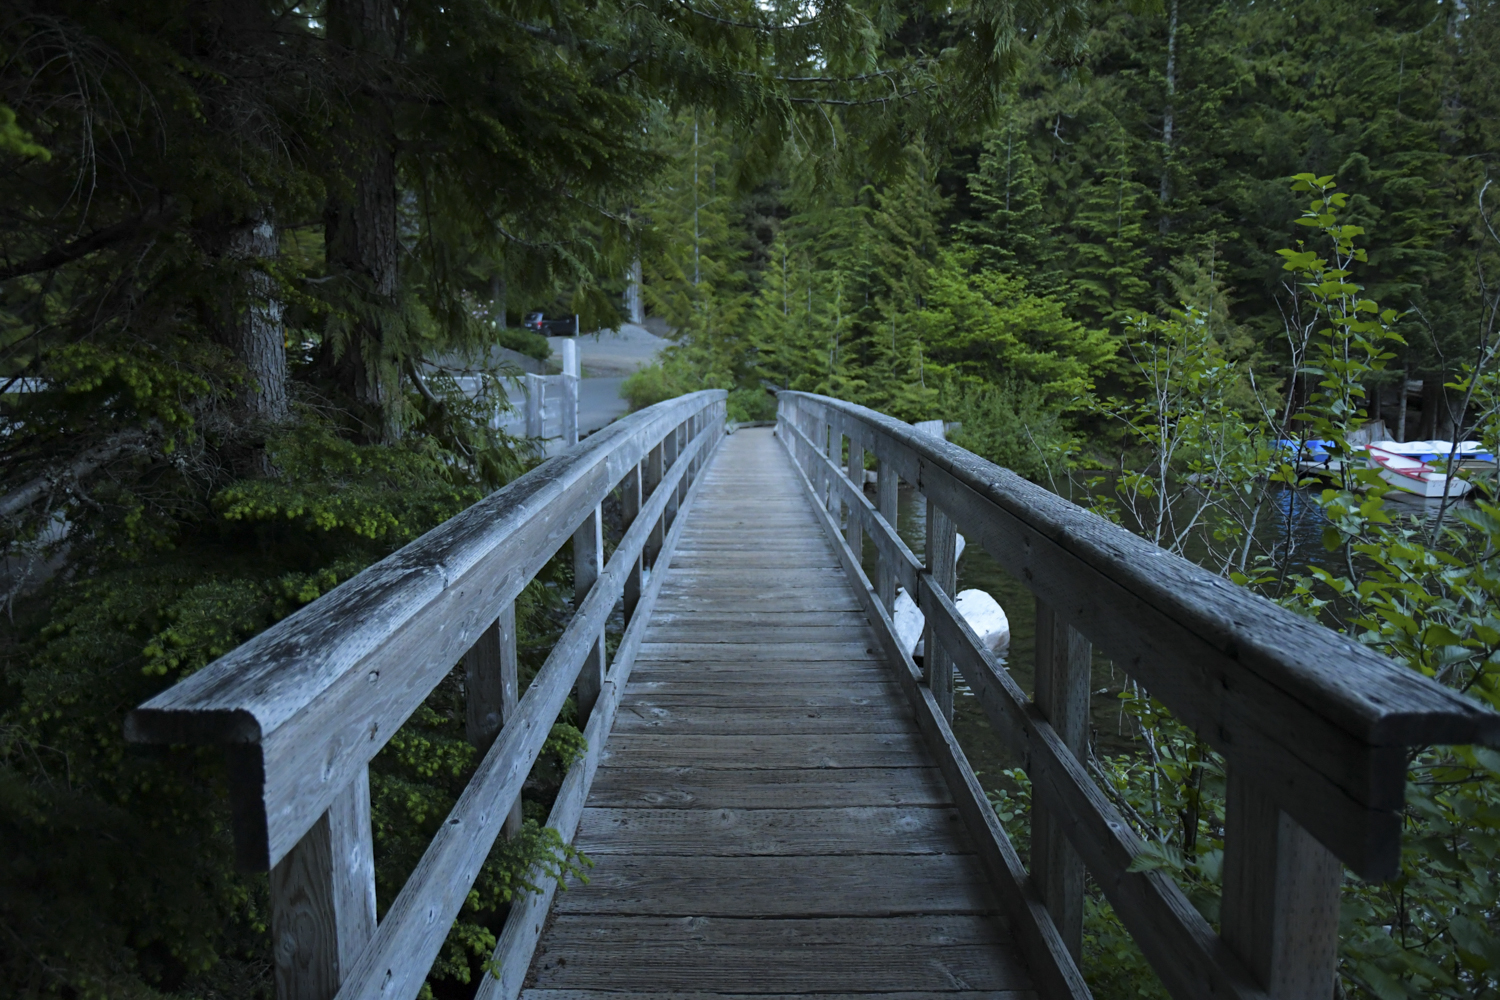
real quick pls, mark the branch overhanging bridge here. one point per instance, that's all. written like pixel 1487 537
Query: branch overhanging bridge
pixel 772 793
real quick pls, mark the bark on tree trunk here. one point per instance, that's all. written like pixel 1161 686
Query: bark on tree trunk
pixel 634 307
pixel 1437 418
pixel 253 331
pixel 1169 120
pixel 498 288
pixel 360 222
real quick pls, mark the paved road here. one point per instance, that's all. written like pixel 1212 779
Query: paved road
pixel 611 353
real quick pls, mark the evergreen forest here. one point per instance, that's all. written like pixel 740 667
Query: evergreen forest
pixel 1122 247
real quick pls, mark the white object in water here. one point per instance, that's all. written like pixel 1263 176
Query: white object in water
pixel 982 612
pixel 1412 475
pixel 958 547
pixel 909 620
pixel 986 618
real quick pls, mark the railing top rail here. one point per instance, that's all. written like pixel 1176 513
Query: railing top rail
pixel 331 682
pixel 1368 693
pixel 1324 720
pixel 261 683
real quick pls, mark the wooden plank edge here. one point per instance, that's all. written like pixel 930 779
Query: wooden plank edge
pixel 1190 958
pixel 511 959
pixel 1057 975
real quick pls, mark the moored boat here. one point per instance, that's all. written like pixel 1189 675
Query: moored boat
pixel 1408 466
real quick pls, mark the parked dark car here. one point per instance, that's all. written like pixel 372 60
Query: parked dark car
pixel 565 327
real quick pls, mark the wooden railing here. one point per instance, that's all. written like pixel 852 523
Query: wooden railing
pixel 303 707
pixel 1314 727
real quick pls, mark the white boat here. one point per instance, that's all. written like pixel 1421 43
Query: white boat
pixel 1466 454
pixel 908 619
pixel 981 611
pixel 986 618
pixel 1407 469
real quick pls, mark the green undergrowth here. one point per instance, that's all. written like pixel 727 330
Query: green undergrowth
pixel 140 836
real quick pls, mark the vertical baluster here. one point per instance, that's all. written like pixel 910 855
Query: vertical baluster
pixel 852 532
pixel 588 564
pixel 886 483
pixel 826 442
pixel 323 899
pixel 826 437
pixel 491 687
pixel 682 482
pixel 1062 695
pixel 942 563
pixel 834 497
pixel 694 427
pixel 1280 912
pixel 569 395
pixel 534 390
pixel 655 466
pixel 669 459
pixel 630 509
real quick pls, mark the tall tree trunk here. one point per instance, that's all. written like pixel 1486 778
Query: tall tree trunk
pixel 253 330
pixel 1400 434
pixel 1432 406
pixel 498 288
pixel 360 220
pixel 247 309
pixel 1169 120
pixel 635 309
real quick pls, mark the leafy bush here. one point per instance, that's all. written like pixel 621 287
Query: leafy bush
pixel 1421 591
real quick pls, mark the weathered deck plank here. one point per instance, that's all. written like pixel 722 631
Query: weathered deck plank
pixel 790 788
pixel 949 956
pixel 767 818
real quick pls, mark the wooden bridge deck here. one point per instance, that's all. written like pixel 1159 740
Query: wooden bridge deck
pixel 767 819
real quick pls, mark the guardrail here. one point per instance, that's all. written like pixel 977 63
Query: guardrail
pixel 1313 726
pixel 304 706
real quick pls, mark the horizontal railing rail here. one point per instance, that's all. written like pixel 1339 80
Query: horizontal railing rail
pixel 1315 728
pixel 303 707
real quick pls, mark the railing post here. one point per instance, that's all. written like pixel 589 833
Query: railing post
pixel 535 387
pixel 669 454
pixel 323 899
pixel 588 564
pixel 630 509
pixel 857 477
pixel 491 686
pixel 654 468
pixel 1063 662
pixel 886 488
pixel 1280 912
pixel 831 496
pixel 569 409
pixel 942 563
pixel 694 425
pixel 683 437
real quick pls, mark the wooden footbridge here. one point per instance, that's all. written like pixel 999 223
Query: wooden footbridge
pixel 772 795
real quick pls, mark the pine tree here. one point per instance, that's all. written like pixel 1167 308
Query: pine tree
pixel 984 325
pixel 902 245
pixel 1107 257
pixel 1010 233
